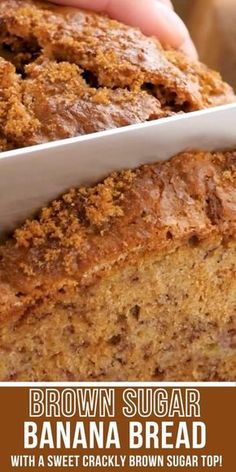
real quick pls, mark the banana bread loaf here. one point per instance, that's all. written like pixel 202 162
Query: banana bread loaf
pixel 65 72
pixel 133 279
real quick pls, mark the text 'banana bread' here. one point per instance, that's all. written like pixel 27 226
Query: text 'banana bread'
pixel 66 72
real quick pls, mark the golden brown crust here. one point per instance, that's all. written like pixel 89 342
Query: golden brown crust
pixel 157 208
pixel 79 72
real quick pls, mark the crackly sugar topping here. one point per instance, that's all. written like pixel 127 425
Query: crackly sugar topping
pixel 66 72
pixel 65 220
pixel 156 207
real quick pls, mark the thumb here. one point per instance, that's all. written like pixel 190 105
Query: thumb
pixel 153 17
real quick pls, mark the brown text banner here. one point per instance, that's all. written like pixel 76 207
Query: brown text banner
pixel 127 427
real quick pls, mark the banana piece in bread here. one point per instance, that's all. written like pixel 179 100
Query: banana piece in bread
pixel 133 279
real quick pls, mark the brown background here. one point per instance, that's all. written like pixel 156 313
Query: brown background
pixel 212 24
pixel 218 409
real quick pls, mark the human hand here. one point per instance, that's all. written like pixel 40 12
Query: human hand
pixel 154 17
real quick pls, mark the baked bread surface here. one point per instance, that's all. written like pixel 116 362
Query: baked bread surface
pixel 66 72
pixel 133 279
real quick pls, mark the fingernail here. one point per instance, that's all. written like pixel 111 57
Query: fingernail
pixel 174 25
pixel 167 3
pixel 188 48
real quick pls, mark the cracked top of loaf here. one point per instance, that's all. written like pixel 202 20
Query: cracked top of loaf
pixel 66 72
pixel 157 208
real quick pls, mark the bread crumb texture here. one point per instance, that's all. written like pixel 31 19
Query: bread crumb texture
pixel 66 72
pixel 132 279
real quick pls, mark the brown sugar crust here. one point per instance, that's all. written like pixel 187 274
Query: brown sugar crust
pixel 66 72
pixel 86 233
pixel 132 279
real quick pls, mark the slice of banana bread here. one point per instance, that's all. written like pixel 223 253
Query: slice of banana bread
pixel 66 72
pixel 133 279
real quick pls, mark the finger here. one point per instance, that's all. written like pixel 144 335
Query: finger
pixel 189 48
pixel 99 4
pixel 168 3
pixel 152 17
